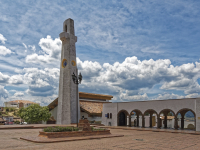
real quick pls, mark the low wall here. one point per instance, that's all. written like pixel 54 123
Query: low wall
pixel 72 134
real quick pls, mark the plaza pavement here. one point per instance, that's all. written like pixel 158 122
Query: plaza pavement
pixel 132 140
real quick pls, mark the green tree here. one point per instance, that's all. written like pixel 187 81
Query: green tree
pixel 170 114
pixel 35 113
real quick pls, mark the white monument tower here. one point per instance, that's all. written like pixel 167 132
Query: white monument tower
pixel 68 91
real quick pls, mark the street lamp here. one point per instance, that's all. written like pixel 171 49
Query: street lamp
pixel 77 80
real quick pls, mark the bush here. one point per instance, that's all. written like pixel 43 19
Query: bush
pixel 60 129
pixel 11 109
pixel 0 113
pixel 7 109
pixel 98 129
pixel 17 122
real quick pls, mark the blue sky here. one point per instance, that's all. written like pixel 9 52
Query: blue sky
pixel 133 50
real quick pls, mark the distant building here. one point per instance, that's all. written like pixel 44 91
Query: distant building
pixel 2 121
pixel 1 108
pixel 19 103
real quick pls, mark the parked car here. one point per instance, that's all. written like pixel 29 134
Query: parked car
pixel 23 123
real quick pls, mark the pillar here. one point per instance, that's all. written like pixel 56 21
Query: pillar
pixel 137 120
pixel 165 120
pixel 143 122
pixel 182 122
pixel 158 122
pixel 175 123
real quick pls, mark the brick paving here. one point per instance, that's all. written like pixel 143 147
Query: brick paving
pixel 132 140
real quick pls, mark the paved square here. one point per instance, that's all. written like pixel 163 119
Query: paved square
pixel 132 140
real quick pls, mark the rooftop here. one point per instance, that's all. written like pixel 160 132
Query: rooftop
pixel 22 101
pixel 91 107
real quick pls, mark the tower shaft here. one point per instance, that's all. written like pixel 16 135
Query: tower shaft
pixel 68 91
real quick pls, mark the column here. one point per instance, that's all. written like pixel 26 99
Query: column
pixel 158 122
pixel 150 119
pixel 165 120
pixel 182 122
pixel 137 120
pixel 175 123
pixel 143 122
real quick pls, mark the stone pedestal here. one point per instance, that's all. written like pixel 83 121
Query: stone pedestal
pixel 84 125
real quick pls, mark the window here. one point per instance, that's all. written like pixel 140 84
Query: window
pixel 110 115
pixel 107 115
pixel 65 28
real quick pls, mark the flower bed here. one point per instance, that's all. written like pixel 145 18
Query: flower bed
pixel 58 132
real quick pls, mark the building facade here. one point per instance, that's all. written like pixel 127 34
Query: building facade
pixel 91 106
pixel 19 103
pixel 145 110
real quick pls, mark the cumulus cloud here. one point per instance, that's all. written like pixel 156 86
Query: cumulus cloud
pixel 2 39
pixel 132 77
pixel 4 51
pixel 168 96
pixel 41 82
pixel 16 79
pixel 51 50
pixel 129 80
pixel 19 94
pixel 126 97
pixel 89 68
pixel 3 95
pixel 4 78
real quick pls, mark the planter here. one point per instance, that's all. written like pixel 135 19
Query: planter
pixel 72 134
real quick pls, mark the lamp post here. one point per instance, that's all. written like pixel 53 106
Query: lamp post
pixel 77 80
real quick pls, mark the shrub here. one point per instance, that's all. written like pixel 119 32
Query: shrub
pixel 11 109
pixel 98 129
pixel 7 109
pixel 17 122
pixel 60 129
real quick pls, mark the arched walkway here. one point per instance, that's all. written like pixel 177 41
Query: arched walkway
pixel 122 118
pixel 135 118
pixel 167 118
pixel 150 118
pixel 184 121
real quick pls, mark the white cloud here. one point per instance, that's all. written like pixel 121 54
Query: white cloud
pixel 4 78
pixel 51 50
pixel 4 51
pixel 168 96
pixel 126 97
pixel 32 47
pixel 135 77
pixel 3 95
pixel 2 39
pixel 24 45
pixel 41 82
pixel 153 49
pixel 16 79
pixel 19 94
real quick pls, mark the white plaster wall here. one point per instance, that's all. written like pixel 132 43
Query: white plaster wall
pixel 54 113
pixel 197 110
pixel 157 105
pixel 109 108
